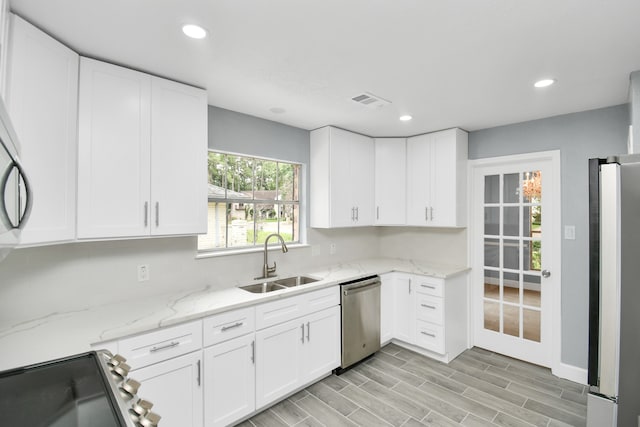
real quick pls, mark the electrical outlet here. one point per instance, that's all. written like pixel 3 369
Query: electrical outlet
pixel 332 249
pixel 143 273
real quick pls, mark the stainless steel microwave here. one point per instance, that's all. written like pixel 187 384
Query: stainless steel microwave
pixel 15 193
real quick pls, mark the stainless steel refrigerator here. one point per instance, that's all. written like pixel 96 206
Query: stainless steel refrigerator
pixel 614 294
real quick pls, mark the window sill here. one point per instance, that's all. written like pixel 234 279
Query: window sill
pixel 257 249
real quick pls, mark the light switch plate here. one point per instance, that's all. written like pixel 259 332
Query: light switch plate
pixel 570 232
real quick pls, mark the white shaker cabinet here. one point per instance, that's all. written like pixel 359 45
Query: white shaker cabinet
pixel 390 181
pixel 404 319
pixel 141 154
pixel 321 350
pixel 437 179
pixel 42 90
pixel 175 389
pixel 430 314
pixel 341 178
pixel 387 307
pixel 229 379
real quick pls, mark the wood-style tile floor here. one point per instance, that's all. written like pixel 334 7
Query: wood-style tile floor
pixel 400 388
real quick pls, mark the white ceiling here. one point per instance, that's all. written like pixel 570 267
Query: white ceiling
pixel 465 63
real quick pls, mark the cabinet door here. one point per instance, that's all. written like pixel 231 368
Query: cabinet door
pixel 321 349
pixel 361 167
pixel 449 178
pixel 387 304
pixel 229 377
pixel 419 179
pixel 341 203
pixel 43 105
pixel 113 151
pixel 390 181
pixel 178 158
pixel 278 357
pixel 175 388
pixel 405 319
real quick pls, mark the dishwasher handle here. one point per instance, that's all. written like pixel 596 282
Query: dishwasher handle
pixel 364 285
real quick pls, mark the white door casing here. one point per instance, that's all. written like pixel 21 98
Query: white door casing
pixel 547 351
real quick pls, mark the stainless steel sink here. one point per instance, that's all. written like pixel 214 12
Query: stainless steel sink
pixel 290 282
pixel 262 288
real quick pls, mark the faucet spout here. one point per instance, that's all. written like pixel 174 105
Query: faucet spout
pixel 266 270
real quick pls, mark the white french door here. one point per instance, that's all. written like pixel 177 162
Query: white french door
pixel 515 242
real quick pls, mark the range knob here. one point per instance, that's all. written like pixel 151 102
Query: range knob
pixel 139 409
pixel 116 360
pixel 120 371
pixel 151 419
pixel 129 388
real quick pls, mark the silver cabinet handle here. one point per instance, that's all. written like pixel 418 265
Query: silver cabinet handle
pixel 428 286
pixel 199 377
pixel 157 214
pixel 235 325
pixel 308 330
pixel 253 352
pixel 546 273
pixel 165 347
pixel 302 338
pixel 426 213
pixel 428 334
pixel 432 307
pixel 431 210
pixel 146 214
pixel 353 214
pixel 409 285
pixel 357 213
pixel 377 212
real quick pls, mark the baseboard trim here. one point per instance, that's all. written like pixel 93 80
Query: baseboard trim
pixel 570 372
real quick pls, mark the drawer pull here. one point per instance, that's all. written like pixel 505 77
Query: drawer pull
pixel 199 377
pixel 428 306
pixel 165 347
pixel 236 325
pixel 428 286
pixel 428 334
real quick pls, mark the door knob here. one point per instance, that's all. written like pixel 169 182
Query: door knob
pixel 546 273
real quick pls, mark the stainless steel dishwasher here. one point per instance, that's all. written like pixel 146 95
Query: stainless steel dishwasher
pixel 360 303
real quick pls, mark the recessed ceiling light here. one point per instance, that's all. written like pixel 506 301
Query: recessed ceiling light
pixel 194 31
pixel 544 82
pixel 406 118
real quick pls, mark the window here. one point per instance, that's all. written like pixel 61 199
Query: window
pixel 248 199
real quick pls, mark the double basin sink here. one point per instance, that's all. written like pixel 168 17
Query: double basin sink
pixel 278 284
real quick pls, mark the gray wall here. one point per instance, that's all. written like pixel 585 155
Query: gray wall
pixel 244 134
pixel 634 110
pixel 578 136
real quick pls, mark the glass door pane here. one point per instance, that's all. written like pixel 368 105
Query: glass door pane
pixel 513 254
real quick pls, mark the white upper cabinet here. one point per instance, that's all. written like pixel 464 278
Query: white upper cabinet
pixel 141 156
pixel 42 90
pixel 436 179
pixel 390 181
pixel 178 158
pixel 341 179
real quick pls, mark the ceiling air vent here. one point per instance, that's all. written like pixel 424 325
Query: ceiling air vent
pixel 370 100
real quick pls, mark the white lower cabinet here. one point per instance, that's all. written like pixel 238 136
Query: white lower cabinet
pixel 430 314
pixel 295 353
pixel 229 381
pixel 175 388
pixel 387 309
pixel 279 356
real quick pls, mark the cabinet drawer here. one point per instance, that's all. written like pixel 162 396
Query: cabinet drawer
pixel 163 344
pixel 285 309
pixel 430 309
pixel 224 326
pixel 429 285
pixel 430 336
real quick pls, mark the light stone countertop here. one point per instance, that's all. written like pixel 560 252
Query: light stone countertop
pixel 60 334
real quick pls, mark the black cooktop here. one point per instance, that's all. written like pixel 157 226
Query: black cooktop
pixel 69 392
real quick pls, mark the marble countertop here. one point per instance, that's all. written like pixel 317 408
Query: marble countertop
pixel 60 334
